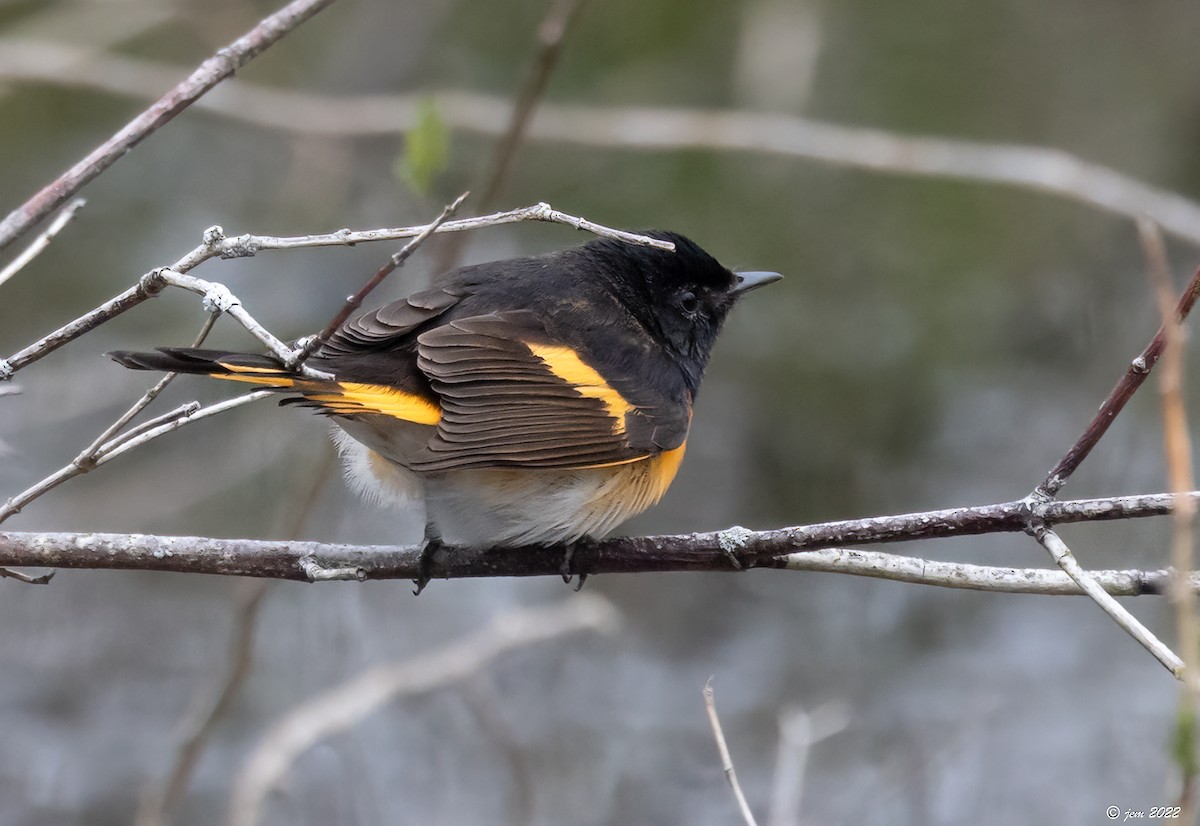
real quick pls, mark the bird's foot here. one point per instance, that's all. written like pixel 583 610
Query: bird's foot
pixel 565 569
pixel 429 549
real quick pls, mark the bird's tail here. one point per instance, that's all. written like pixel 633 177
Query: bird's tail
pixel 332 397
pixel 219 364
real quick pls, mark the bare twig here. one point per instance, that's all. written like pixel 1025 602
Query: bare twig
pixel 217 299
pixel 118 445
pixel 1037 168
pixel 42 241
pixel 211 72
pixel 1109 410
pixel 216 244
pixel 1115 403
pixel 246 245
pixel 714 721
pixel 1066 560
pixel 296 359
pixel 347 705
pixel 964 576
pixel 148 286
pixel 26 578
pixel 109 440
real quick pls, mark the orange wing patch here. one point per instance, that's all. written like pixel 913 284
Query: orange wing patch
pixel 344 398
pixel 566 364
pixel 349 398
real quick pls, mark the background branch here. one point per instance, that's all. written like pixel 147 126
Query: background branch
pixel 1041 169
pixel 714 721
pixel 211 72
pixel 346 705
pixel 42 241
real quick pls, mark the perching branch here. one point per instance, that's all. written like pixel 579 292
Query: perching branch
pixel 804 547
pixel 211 72
pixel 1036 168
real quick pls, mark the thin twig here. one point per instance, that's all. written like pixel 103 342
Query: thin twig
pixel 1138 370
pixel 42 241
pixel 26 578
pixel 148 286
pixel 348 704
pixel 1066 560
pixel 710 706
pixel 92 455
pixel 162 425
pixel 216 244
pixel 1037 168
pixel 965 576
pixel 246 245
pixel 171 426
pixel 296 360
pixel 211 72
pixel 217 299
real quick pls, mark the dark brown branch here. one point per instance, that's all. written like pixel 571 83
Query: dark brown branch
pixel 732 549
pixel 211 72
pixel 1138 370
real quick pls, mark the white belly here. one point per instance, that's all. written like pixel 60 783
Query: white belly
pixel 507 507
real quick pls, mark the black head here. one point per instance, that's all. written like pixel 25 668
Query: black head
pixel 681 296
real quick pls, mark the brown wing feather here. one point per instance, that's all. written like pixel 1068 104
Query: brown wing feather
pixel 504 405
pixel 388 325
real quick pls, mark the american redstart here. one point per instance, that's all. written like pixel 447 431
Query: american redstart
pixel 521 402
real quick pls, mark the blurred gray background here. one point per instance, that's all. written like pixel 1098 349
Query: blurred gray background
pixel 934 344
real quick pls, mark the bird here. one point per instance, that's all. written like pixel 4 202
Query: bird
pixel 523 402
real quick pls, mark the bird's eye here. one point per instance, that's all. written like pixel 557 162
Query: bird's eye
pixel 688 302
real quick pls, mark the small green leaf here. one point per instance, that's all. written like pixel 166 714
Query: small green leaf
pixel 426 149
